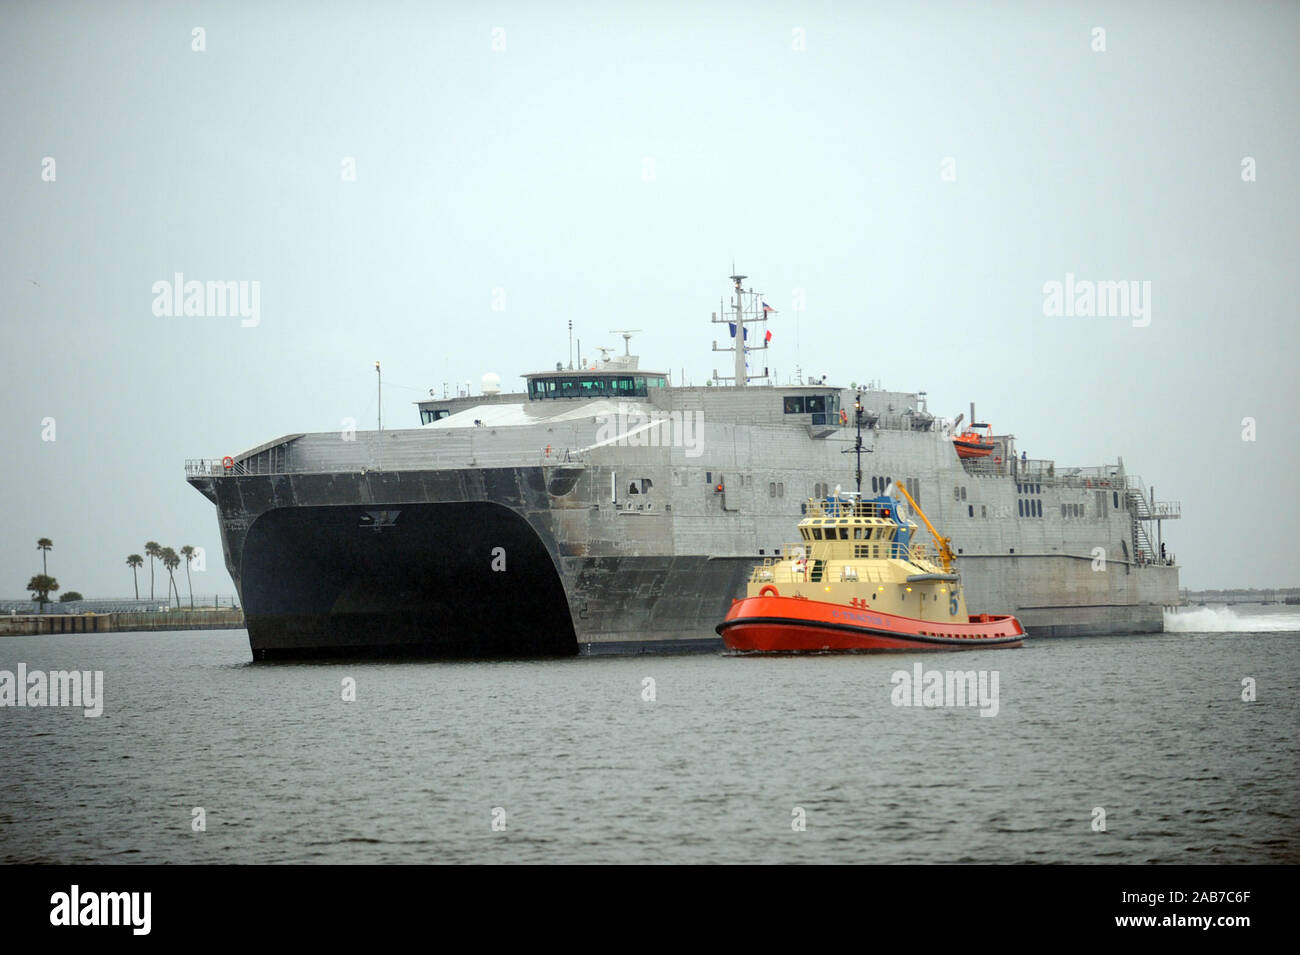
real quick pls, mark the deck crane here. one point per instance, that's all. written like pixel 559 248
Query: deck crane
pixel 944 543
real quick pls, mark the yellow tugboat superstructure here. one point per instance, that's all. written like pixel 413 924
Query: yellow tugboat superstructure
pixel 862 553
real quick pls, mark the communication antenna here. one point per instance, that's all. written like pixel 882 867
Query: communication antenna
pixel 627 334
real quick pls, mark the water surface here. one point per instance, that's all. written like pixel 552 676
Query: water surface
pixel 1151 729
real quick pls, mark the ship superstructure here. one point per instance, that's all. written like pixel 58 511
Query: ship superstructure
pixel 604 509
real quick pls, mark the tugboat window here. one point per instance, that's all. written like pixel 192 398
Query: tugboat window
pixel 794 404
pixel 816 403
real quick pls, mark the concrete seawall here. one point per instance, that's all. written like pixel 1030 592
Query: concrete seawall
pixel 15 625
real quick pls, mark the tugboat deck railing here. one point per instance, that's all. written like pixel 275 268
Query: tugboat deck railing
pixel 815 556
pixel 820 507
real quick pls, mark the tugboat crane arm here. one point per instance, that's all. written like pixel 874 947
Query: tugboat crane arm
pixel 944 543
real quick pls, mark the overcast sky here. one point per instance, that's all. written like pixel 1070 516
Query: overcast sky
pixel 604 163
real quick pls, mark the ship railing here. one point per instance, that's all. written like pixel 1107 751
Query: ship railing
pixel 214 467
pixel 821 507
pixel 796 561
pixel 545 457
pixel 1045 472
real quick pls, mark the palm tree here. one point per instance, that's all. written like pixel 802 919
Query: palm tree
pixel 135 561
pixel 188 553
pixel 151 550
pixel 44 545
pixel 41 586
pixel 171 561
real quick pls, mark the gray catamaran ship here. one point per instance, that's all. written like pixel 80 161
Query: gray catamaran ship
pixel 604 509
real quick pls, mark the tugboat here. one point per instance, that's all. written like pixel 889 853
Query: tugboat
pixel 857 580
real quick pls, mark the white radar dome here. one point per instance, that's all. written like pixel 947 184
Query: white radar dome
pixel 491 383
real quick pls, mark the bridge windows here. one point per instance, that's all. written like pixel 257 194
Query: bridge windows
pixel 819 406
pixel 593 386
pixel 428 415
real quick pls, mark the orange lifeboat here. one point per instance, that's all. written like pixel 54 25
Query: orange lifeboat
pixel 972 444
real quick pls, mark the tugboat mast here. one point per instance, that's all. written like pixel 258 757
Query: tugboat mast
pixel 857 448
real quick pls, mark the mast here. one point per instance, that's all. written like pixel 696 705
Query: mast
pixel 740 332
pixel 858 450
pixel 737 322
pixel 857 443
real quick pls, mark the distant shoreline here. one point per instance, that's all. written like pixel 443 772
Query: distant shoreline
pixel 23 625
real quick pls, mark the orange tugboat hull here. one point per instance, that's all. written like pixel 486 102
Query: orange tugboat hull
pixel 775 624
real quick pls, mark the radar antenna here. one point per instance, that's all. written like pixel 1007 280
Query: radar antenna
pixel 627 334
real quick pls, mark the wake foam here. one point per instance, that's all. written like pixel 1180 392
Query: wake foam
pixel 1228 620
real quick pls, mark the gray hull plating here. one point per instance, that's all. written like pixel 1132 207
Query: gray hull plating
pixel 642 541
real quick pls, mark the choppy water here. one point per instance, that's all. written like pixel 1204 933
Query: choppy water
pixel 1151 729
